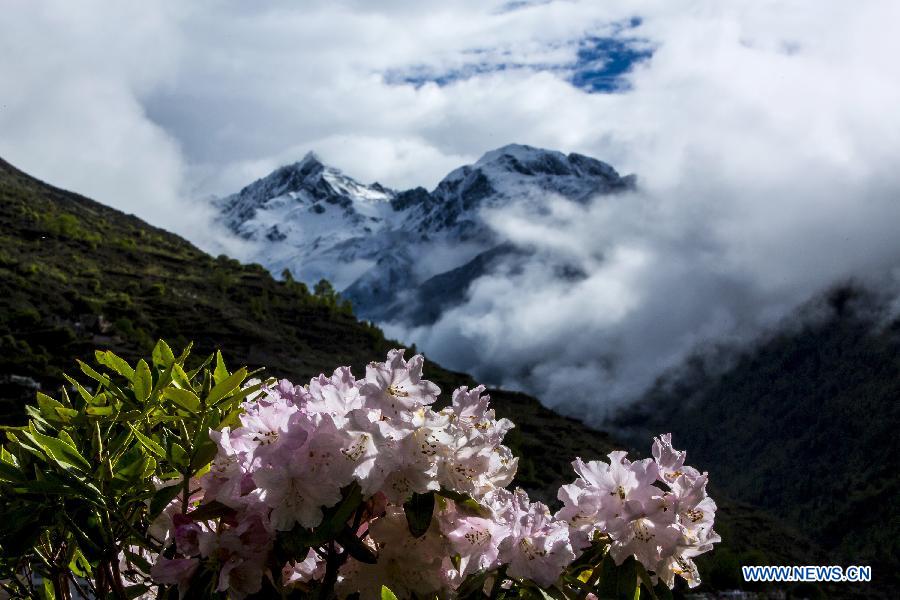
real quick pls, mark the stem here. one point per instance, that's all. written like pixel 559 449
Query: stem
pixel 331 572
pixel 118 586
pixel 112 579
pixel 59 586
pixel 185 490
pixel 78 587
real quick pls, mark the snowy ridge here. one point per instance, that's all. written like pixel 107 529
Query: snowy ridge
pixel 390 251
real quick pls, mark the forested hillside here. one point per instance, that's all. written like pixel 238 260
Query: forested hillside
pixel 804 425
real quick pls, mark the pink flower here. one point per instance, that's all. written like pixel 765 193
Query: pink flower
pixel 397 385
pixel 409 566
pixel 305 474
pixel 336 395
pixel 309 569
pixel 240 548
pixel 538 547
pixel 176 571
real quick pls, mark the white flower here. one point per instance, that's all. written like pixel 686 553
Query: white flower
pixel 397 385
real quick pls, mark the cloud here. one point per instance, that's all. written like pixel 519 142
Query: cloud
pixel 765 136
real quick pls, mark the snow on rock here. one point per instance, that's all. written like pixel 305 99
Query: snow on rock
pixel 370 241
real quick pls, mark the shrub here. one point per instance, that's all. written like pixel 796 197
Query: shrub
pixel 203 483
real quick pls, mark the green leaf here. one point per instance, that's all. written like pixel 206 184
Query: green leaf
pixel 101 379
pixel 472 586
pixel 162 355
pixel 10 473
pixel 419 509
pixel 66 414
pixel 64 454
pixel 65 437
pixel 80 565
pixel 220 373
pixel 210 510
pixel 179 455
pixel 184 354
pixel 464 501
pixel 147 442
pixel 162 498
pixel 387 594
pixel 48 406
pixel 85 395
pixel 204 454
pixel 143 381
pixel 136 591
pixel 181 378
pixel 115 363
pixel 135 469
pixel 100 411
pixel 226 386
pixel 186 399
pixel 619 582
pixel 662 592
pixel 47 592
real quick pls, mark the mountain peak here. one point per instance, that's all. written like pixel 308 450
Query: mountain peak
pixel 310 158
pixel 529 161
pixel 520 152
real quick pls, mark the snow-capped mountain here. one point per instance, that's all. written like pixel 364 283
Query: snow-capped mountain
pixel 404 255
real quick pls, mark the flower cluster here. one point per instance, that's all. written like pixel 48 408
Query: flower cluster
pixel 663 527
pixel 301 451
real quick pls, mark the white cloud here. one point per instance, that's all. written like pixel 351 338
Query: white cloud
pixel 765 135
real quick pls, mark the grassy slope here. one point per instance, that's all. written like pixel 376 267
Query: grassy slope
pixel 65 261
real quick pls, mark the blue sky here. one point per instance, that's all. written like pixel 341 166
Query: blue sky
pixel 599 64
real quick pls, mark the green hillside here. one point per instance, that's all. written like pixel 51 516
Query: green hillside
pixel 804 425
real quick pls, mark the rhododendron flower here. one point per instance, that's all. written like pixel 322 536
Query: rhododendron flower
pixel 474 539
pixel 336 395
pixel 409 566
pixel 538 546
pixel 397 385
pixel 309 569
pixel 229 479
pixel 240 550
pixel 475 461
pixel 175 571
pixel 305 474
pixel 298 450
pixel 662 527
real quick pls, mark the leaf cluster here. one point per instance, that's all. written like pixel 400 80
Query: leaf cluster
pixel 82 481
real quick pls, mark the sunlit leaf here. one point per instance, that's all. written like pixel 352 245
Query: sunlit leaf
pixel 148 443
pixel 226 386
pixel 162 355
pixel 115 363
pixel 143 381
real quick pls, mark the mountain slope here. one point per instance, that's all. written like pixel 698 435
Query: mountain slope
pixel 78 276
pixel 388 250
pixel 804 425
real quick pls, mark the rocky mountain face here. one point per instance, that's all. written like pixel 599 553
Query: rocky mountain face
pixel 370 241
